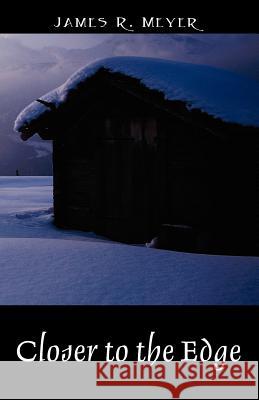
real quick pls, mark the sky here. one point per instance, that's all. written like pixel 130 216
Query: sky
pixel 84 41
pixel 68 41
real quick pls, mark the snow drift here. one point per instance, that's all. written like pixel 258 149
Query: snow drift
pixel 41 264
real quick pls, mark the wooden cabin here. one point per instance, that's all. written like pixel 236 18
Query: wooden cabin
pixel 132 166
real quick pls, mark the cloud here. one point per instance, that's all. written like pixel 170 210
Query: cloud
pixel 68 41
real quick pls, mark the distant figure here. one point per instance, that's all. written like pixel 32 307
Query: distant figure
pixel 17 173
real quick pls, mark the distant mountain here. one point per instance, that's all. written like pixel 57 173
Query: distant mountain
pixel 26 74
pixel 14 55
pixel 215 50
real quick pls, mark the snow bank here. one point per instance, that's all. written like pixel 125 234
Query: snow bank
pixel 18 194
pixel 47 271
pixel 41 264
pixel 220 93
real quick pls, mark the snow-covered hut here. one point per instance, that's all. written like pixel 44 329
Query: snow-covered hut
pixel 145 147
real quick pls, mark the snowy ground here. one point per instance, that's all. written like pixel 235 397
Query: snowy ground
pixel 40 264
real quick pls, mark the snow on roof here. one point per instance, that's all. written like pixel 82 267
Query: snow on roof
pixel 220 93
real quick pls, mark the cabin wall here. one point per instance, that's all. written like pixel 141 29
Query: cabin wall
pixel 74 171
pixel 244 191
pixel 115 188
pixel 125 177
pixel 189 155
pixel 126 168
